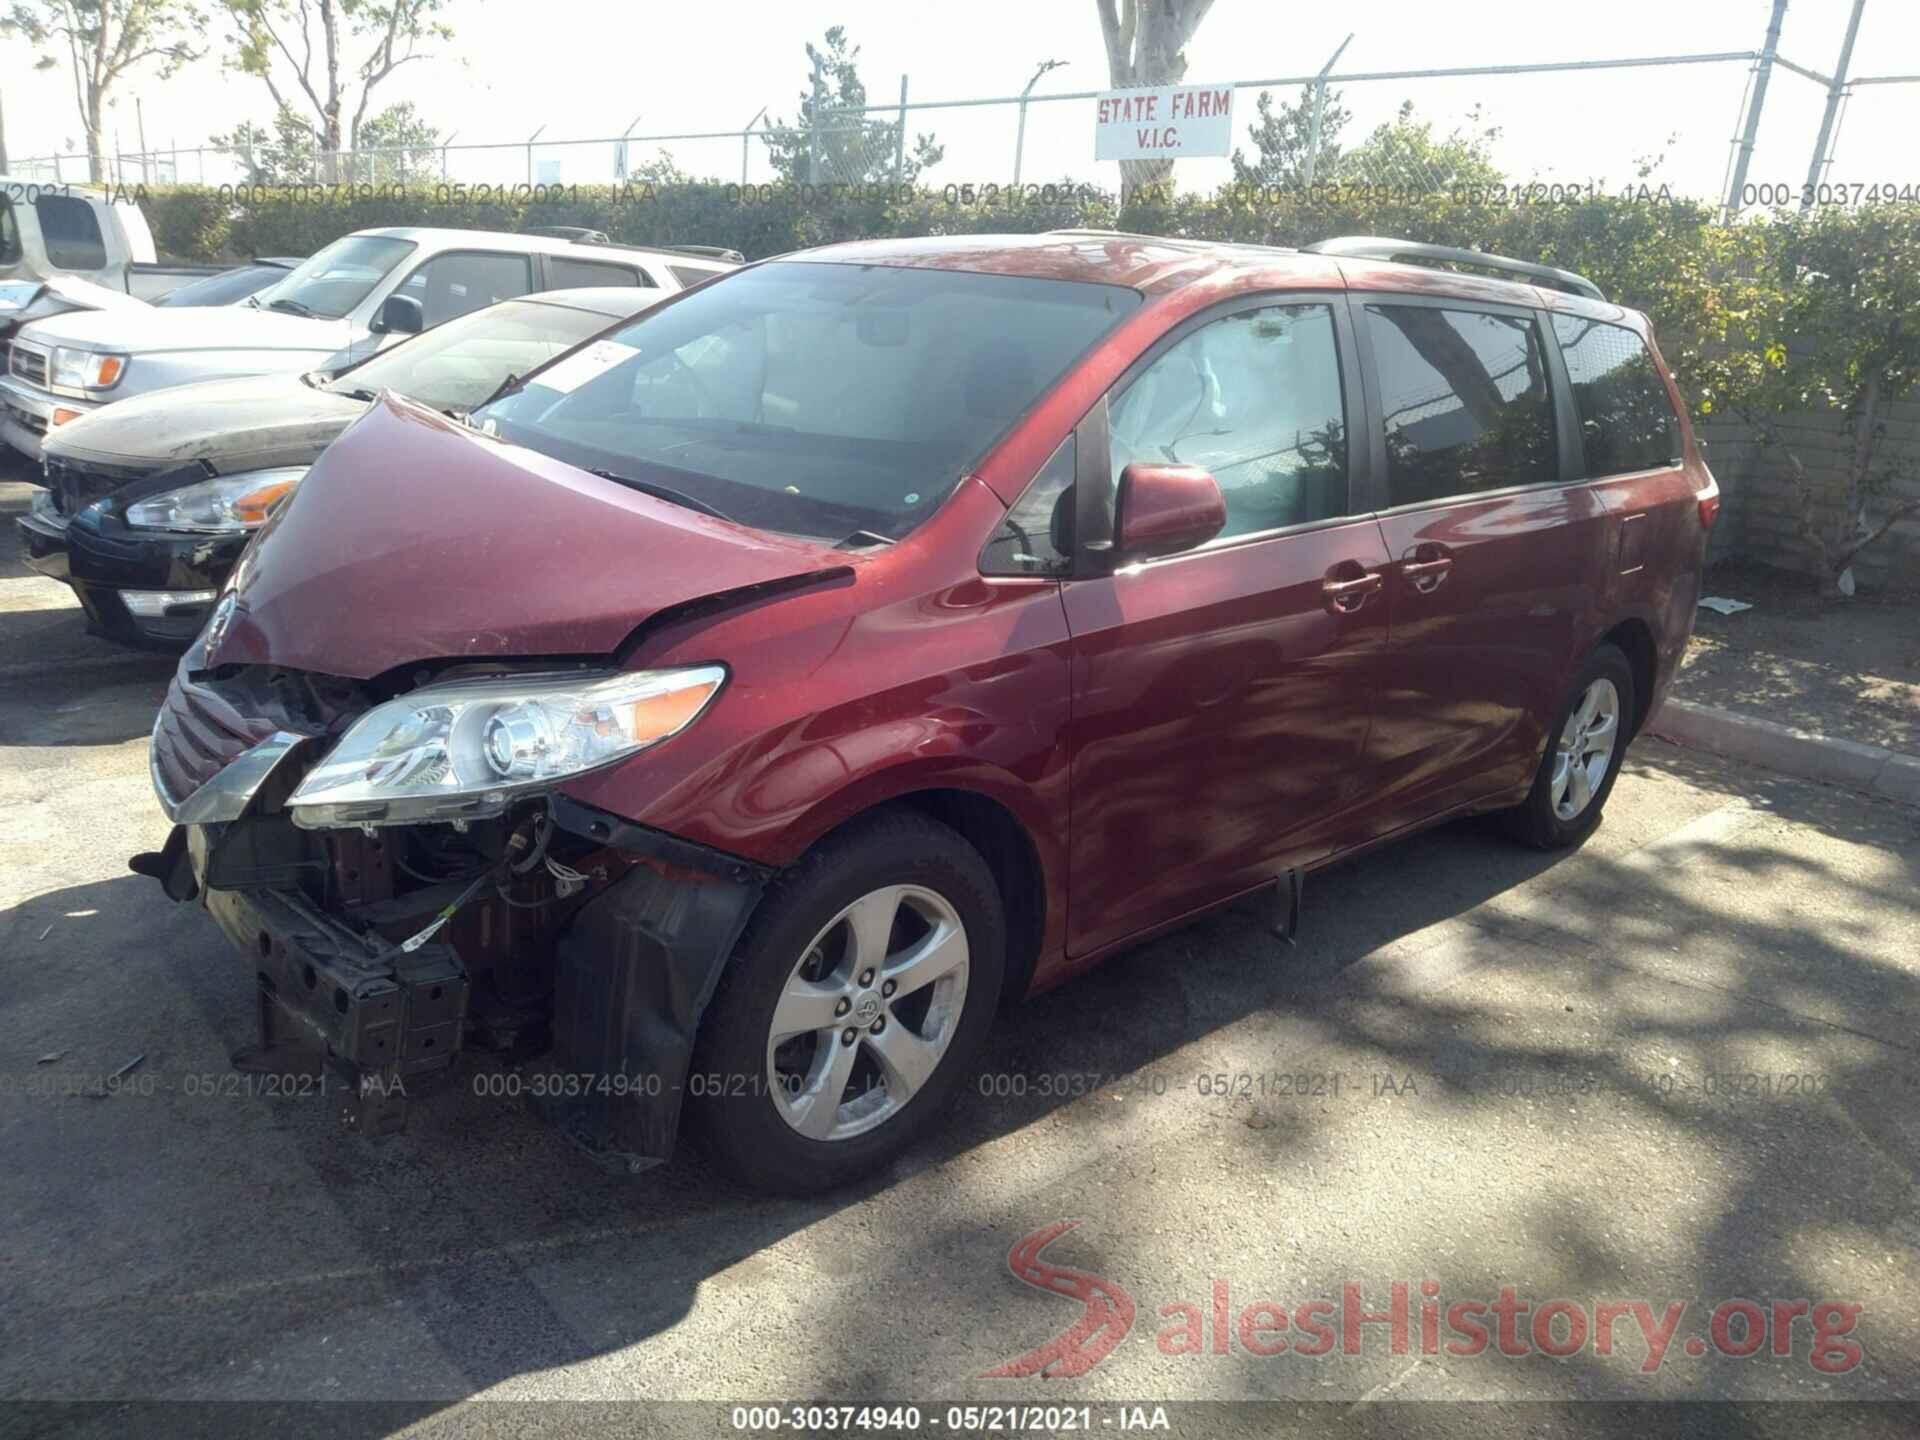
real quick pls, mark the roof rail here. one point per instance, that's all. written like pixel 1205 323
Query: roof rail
pixel 1377 247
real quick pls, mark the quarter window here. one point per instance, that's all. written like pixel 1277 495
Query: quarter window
pixel 1036 538
pixel 1255 399
pixel 454 284
pixel 1626 415
pixel 1465 400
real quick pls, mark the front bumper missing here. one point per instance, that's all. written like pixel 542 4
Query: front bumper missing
pixel 379 1016
pixel 634 966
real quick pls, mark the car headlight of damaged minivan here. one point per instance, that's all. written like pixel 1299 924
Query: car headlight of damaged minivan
pixel 85 370
pixel 226 504
pixel 464 750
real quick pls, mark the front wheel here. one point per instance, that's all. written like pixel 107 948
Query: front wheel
pixel 1583 755
pixel 863 987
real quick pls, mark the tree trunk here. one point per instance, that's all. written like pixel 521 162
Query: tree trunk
pixel 96 160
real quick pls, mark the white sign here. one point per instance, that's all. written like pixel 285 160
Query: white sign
pixel 1164 123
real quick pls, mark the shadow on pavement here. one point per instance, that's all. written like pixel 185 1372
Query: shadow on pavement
pixel 450 1220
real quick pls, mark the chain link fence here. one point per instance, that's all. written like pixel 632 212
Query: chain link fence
pixel 1411 131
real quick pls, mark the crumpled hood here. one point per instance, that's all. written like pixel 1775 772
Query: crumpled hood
pixel 415 539
pixel 160 329
pixel 234 425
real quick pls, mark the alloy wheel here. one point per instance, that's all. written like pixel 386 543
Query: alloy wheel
pixel 1585 749
pixel 867 1013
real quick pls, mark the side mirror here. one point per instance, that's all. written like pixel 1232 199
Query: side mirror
pixel 1164 509
pixel 400 315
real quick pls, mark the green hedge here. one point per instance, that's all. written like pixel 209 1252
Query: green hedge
pixel 1664 256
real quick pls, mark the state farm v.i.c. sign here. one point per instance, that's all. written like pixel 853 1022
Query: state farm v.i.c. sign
pixel 1164 123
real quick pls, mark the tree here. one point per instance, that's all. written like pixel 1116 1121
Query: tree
pixel 1830 327
pixel 101 40
pixel 296 48
pixel 283 156
pixel 398 144
pixel 833 140
pixel 1405 156
pixel 1283 138
pixel 1146 45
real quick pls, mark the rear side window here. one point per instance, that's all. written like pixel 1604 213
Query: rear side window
pixel 1465 399
pixel 1036 538
pixel 567 274
pixel 689 277
pixel 1626 415
pixel 71 232
pixel 1255 399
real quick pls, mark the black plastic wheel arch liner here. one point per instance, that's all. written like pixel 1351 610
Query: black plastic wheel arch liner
pixel 633 975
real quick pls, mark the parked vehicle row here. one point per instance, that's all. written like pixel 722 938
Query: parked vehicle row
pixel 729 714
pixel 150 501
pixel 361 293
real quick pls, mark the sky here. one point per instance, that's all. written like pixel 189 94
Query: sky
pixel 588 68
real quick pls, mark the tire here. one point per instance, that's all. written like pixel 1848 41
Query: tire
pixel 757 1103
pixel 1542 820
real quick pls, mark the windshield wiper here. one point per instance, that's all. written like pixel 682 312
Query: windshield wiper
pixel 369 396
pixel 663 492
pixel 292 307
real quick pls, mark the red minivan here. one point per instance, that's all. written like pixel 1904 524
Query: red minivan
pixel 744 705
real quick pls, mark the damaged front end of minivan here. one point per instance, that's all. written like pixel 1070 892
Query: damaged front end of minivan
pixel 408 884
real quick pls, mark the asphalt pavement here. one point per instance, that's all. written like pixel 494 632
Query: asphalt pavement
pixel 1675 1067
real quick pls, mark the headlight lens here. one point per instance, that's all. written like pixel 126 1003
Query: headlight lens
pixel 86 370
pixel 463 750
pixel 227 503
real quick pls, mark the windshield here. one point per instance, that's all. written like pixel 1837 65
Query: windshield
pixel 332 282
pixel 457 365
pixel 817 399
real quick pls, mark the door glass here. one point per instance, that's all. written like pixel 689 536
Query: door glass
pixel 71 232
pixel 9 234
pixel 1626 415
pixel 454 284
pixel 1255 399
pixel 1466 401
pixel 568 274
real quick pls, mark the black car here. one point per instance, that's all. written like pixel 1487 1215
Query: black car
pixel 230 287
pixel 150 501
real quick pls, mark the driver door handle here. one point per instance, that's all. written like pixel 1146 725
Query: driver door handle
pixel 1347 586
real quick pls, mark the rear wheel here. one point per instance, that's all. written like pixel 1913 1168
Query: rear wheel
pixel 862 989
pixel 1583 756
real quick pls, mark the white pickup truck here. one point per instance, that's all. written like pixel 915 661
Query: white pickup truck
pixel 359 294
pixel 47 230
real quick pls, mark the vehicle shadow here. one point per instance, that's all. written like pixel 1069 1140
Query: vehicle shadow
pixel 509 1254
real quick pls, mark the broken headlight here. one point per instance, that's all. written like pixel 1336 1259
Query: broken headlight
pixel 464 750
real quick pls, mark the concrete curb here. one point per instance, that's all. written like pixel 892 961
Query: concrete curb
pixel 1871 768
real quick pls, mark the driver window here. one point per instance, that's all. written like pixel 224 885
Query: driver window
pixel 453 284
pixel 1254 398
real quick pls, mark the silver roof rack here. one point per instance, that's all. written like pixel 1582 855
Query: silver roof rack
pixel 1379 247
